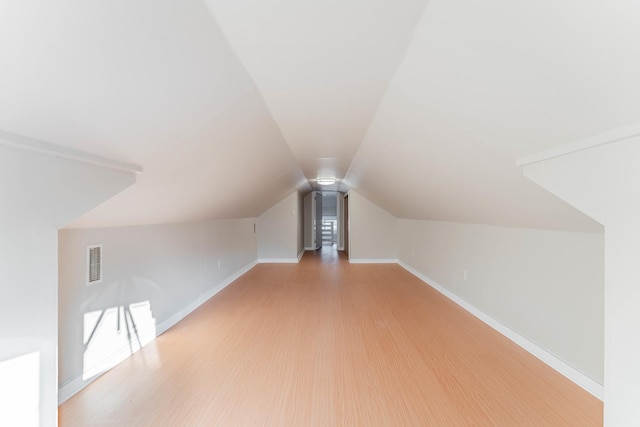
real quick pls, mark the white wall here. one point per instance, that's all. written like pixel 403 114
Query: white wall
pixel 372 231
pixel 600 176
pixel 40 193
pixel 278 231
pixel 172 267
pixel 547 286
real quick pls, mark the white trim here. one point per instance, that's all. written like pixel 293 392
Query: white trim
pixel 75 385
pixel 34 145
pixel 278 261
pixel 609 137
pixel 164 326
pixel 309 248
pixel 72 387
pixel 300 255
pixel 562 367
pixel 372 261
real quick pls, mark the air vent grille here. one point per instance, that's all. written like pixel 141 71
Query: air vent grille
pixel 94 264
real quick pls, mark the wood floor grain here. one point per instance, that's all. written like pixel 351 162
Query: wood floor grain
pixel 327 343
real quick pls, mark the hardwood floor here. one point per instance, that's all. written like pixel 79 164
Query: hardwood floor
pixel 326 343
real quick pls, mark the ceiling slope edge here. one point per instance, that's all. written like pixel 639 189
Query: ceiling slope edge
pixel 302 185
pixel 34 145
pixel 609 137
pixel 325 165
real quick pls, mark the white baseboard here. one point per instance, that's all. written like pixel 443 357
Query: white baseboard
pixel 579 378
pixel 72 387
pixel 164 326
pixel 310 248
pixel 373 261
pixel 300 255
pixel 278 261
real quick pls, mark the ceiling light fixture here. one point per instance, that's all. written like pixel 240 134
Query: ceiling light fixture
pixel 325 180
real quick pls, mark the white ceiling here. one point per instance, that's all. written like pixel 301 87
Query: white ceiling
pixel 231 105
pixel 151 82
pixel 483 86
pixel 322 67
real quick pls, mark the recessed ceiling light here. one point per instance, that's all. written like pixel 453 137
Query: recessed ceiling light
pixel 326 180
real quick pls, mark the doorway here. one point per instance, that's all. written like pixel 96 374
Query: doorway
pixel 329 221
pixel 323 220
pixel 345 224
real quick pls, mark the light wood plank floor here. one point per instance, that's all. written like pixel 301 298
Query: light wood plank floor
pixel 326 343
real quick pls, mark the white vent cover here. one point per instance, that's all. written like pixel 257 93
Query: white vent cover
pixel 94 264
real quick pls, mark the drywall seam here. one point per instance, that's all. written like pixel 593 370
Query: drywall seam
pixel 72 387
pixel 562 367
pixel 373 261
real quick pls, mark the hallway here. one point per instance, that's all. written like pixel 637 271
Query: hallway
pixel 324 343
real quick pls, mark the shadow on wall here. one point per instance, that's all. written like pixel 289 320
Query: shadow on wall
pixel 116 328
pixel 20 391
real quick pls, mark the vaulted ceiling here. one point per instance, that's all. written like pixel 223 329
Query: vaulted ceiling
pixel 422 106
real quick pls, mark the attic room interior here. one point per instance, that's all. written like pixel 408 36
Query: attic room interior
pixel 159 162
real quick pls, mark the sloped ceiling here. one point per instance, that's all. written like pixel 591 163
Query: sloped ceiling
pixel 150 82
pixel 483 84
pixel 423 107
pixel 322 67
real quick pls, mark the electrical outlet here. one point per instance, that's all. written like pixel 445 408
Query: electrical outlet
pixel 464 275
pixel 219 263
